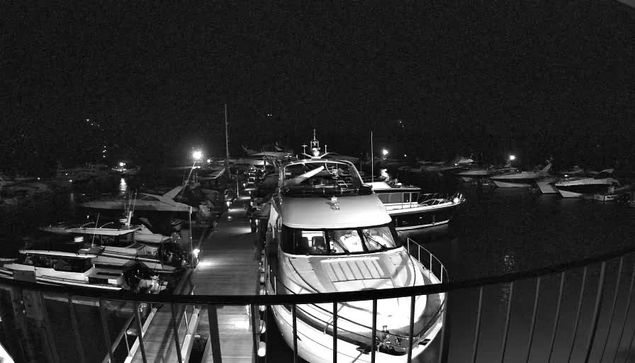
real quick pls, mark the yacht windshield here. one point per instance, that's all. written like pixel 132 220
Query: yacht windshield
pixel 321 177
pixel 339 241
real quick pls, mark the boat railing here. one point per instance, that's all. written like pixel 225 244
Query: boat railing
pixel 576 311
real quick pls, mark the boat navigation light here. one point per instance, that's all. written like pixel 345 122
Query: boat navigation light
pixel 197 155
pixel 512 157
pixel 122 164
pixel 196 252
pixel 384 152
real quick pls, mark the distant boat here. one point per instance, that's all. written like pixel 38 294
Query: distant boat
pixel 145 202
pixel 576 187
pixel 412 209
pixel 546 184
pixel 521 179
pixel 479 172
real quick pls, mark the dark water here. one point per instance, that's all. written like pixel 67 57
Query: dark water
pixel 494 232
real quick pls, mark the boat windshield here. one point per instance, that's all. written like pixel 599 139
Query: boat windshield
pixel 321 177
pixel 339 241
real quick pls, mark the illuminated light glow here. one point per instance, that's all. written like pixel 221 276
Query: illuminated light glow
pixel 512 157
pixel 384 152
pixel 209 160
pixel 196 252
pixel 197 155
pixel 122 164
pixel 262 349
pixel 205 264
pixel 456 200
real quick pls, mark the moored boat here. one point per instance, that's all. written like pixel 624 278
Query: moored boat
pixel 329 232
pixel 412 209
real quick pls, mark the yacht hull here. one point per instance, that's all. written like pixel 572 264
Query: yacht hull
pixel 513 183
pixel 316 346
pixel 422 216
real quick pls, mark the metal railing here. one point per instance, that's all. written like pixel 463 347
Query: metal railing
pixel 573 312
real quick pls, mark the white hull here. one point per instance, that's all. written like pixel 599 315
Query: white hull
pixel 315 346
pixel 504 184
pixel 570 194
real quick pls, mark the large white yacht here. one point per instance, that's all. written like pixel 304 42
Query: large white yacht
pixel 328 232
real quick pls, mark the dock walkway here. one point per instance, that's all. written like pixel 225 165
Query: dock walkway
pixel 227 266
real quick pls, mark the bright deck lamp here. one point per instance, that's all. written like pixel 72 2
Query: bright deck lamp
pixel 512 157
pixel 384 152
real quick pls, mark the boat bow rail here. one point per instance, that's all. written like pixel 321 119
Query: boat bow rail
pixel 593 286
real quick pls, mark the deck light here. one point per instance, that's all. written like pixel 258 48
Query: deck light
pixel 196 252
pixel 262 349
pixel 384 152
pixel 197 155
pixel 512 157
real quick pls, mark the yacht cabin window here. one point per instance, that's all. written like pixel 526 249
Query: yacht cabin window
pixel 338 241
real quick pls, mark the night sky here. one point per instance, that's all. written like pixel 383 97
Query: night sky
pixel 538 78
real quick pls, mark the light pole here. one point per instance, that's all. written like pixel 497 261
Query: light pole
pixel 196 155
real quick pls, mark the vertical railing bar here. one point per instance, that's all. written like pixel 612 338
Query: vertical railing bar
pixel 47 329
pixel 612 314
pixel 139 329
pixel 255 331
pixel 533 318
pixel 418 253
pixel 445 334
pixel 555 323
pixel 411 327
pixel 577 315
pixel 214 336
pixel 478 323
pixel 596 313
pixel 334 331
pixel 294 318
pixel 506 331
pixel 104 323
pixel 176 333
pixel 626 312
pixel 373 335
pixel 78 339
pixel 430 270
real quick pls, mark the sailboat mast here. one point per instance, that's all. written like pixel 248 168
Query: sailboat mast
pixel 372 159
pixel 226 139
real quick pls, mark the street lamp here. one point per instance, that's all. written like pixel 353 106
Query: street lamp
pixel 196 155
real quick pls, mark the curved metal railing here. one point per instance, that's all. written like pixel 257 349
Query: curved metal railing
pixel 539 315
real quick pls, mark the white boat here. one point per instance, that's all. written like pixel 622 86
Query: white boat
pixel 124 243
pixel 145 202
pixel 576 187
pixel 480 173
pixel 412 209
pixel 546 184
pixel 327 232
pixel 521 179
pixel 68 265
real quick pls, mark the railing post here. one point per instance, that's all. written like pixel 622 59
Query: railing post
pixel 294 318
pixel 555 323
pixel 373 335
pixel 104 323
pixel 411 329
pixel 78 339
pixel 334 332
pixel 477 331
pixel 175 329
pixel 507 316
pixel 140 330
pixel 596 313
pixel 617 289
pixel 214 337
pixel 577 315
pixel 533 318
pixel 626 311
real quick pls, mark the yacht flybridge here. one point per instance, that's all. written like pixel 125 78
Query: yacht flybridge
pixel 328 232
